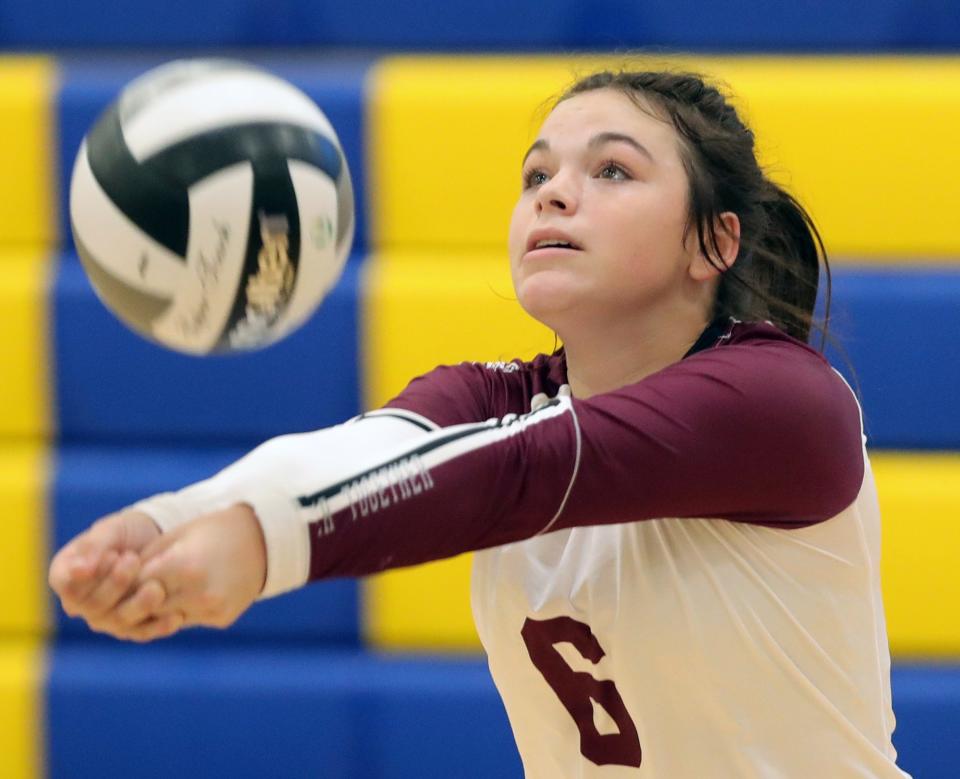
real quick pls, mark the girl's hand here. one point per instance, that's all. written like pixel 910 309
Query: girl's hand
pixel 211 570
pixel 98 570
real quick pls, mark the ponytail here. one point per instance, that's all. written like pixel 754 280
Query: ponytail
pixel 777 272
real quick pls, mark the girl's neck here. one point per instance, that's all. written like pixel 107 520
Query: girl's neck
pixel 613 357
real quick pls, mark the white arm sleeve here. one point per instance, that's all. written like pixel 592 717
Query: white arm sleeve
pixel 268 477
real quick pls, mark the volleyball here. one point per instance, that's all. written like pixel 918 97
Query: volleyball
pixel 211 206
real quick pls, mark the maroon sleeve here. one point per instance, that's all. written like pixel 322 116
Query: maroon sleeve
pixel 762 431
pixel 447 395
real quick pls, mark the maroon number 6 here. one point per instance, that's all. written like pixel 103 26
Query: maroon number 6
pixel 576 690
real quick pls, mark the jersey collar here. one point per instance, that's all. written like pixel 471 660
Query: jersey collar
pixel 719 329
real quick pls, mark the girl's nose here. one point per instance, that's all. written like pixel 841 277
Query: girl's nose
pixel 557 194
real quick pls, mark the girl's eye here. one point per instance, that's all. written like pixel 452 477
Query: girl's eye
pixel 613 171
pixel 534 178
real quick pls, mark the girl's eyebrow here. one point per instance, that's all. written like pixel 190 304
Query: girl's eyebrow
pixel 597 140
pixel 540 143
pixel 609 137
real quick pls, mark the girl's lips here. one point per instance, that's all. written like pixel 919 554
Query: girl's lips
pixel 550 251
pixel 549 234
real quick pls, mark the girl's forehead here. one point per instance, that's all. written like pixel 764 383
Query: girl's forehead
pixel 605 110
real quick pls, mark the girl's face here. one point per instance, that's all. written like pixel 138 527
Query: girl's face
pixel 598 231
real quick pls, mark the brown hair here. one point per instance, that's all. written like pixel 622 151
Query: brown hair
pixel 777 271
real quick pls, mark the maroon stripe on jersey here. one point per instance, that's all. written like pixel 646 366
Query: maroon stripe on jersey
pixel 757 429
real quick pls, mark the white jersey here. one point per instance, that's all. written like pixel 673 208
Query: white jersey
pixel 737 651
pixel 742 636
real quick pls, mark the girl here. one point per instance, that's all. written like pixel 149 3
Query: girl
pixel 679 525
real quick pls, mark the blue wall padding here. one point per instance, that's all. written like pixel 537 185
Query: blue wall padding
pixel 293 712
pixel 895 325
pixel 900 327
pixel 926 699
pixel 163 712
pixel 88 86
pixel 112 385
pixel 497 24
pixel 90 482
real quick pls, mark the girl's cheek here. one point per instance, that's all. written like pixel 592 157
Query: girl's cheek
pixel 516 232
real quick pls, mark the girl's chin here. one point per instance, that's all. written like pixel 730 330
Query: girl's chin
pixel 546 295
pixel 549 311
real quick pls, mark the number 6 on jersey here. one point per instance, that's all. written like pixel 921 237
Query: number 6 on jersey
pixel 578 690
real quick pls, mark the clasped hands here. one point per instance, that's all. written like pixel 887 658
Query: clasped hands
pixel 127 579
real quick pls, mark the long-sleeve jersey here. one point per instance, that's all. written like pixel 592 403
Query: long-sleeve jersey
pixel 680 577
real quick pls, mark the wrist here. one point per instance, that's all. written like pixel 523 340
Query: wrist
pixel 286 540
pixel 140 528
pixel 253 531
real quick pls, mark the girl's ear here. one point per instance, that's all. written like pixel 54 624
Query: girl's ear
pixel 727 232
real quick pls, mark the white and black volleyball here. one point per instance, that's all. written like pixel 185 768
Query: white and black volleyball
pixel 211 206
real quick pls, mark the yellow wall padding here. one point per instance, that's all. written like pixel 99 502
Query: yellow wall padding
pixel 23 590
pixel 920 566
pixel 868 144
pixel 21 693
pixel 426 608
pixel 421 310
pixel 27 151
pixel 24 386
pixel 435 308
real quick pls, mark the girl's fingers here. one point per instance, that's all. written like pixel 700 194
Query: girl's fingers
pixel 113 586
pixel 67 566
pixel 79 568
pixel 195 605
pixel 63 577
pixel 174 570
pixel 96 572
pixel 188 589
pixel 143 604
pixel 155 627
pixel 181 580
pixel 159 545
pixel 81 577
